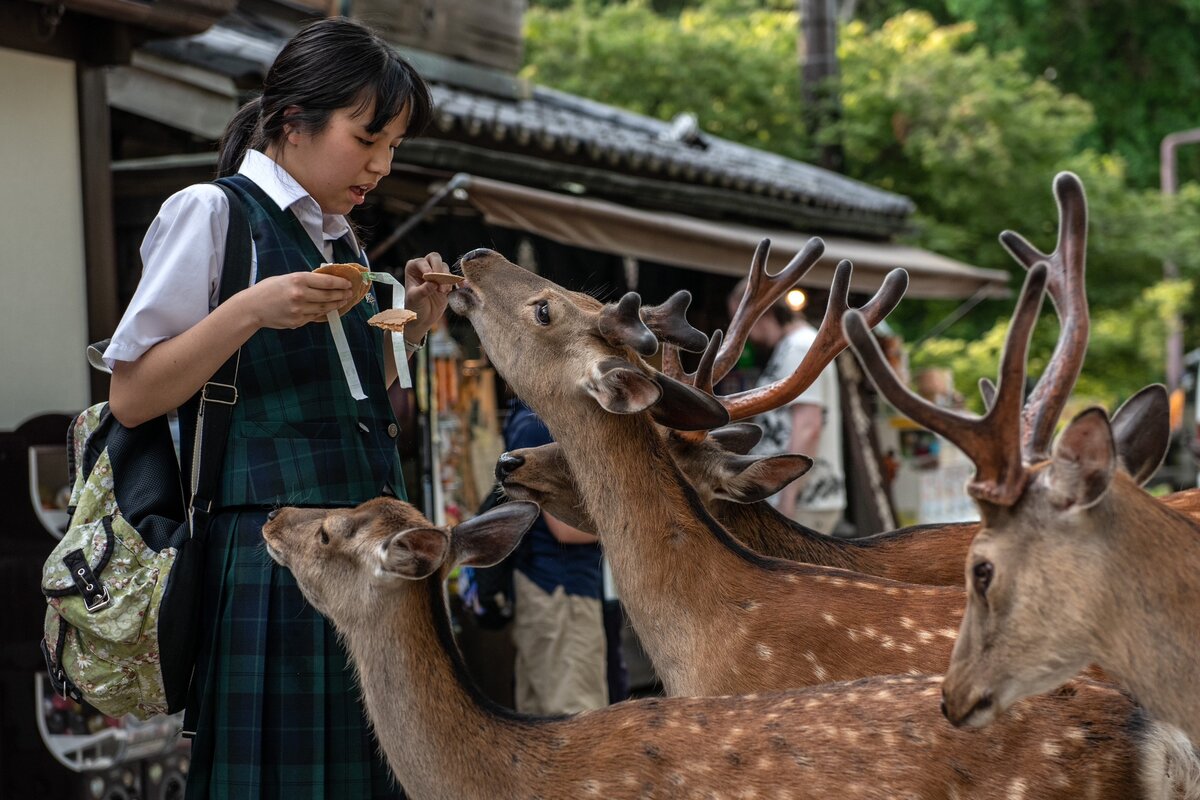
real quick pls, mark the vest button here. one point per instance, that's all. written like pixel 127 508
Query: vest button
pixel 393 430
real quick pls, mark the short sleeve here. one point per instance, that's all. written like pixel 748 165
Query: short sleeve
pixel 181 272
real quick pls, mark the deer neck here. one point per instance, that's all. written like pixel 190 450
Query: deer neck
pixel 763 529
pixel 442 738
pixel 666 552
pixel 1147 624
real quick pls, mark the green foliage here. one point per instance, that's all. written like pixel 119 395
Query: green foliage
pixel 966 134
pixel 736 73
pixel 1126 349
pixel 930 111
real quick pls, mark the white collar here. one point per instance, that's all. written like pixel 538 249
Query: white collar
pixel 282 188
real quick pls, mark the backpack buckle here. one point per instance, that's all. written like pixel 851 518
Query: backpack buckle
pixel 223 393
pixel 96 602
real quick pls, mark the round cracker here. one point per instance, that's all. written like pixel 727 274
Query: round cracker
pixel 442 278
pixel 392 319
pixel 352 273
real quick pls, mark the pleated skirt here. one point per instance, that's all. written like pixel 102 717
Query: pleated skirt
pixel 275 708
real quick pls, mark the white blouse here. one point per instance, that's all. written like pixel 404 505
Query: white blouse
pixel 184 248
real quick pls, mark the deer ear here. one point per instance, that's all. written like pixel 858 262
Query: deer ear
pixel 756 478
pixel 1142 431
pixel 620 388
pixel 486 539
pixel 685 408
pixel 1084 461
pixel 415 553
pixel 738 437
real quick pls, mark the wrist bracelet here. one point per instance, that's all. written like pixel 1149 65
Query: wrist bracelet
pixel 411 348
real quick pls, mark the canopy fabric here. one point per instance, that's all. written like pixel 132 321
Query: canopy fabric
pixel 720 247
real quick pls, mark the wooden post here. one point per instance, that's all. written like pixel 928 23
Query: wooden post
pixel 100 259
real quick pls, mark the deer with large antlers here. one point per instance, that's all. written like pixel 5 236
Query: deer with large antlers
pixel 714 616
pixel 377 572
pixel 731 483
pixel 1074 563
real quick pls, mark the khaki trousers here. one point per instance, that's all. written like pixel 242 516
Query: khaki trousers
pixel 560 661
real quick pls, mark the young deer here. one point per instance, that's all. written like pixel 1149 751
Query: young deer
pixel 714 617
pixel 1074 563
pixel 377 573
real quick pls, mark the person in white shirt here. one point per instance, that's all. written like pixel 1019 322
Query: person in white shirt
pixel 810 424
pixel 274 705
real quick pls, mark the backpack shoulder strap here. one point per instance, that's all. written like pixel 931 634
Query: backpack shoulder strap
pixel 219 395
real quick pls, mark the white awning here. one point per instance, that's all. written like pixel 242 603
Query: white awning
pixel 719 247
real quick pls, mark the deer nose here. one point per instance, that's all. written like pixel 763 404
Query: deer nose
pixel 507 464
pixel 478 252
pixel 273 513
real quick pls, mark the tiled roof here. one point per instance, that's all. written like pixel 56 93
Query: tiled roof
pixel 574 132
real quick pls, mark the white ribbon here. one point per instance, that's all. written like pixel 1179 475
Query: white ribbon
pixel 343 346
pixel 399 354
pixel 343 351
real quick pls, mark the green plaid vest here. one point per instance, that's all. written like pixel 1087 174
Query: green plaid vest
pixel 297 437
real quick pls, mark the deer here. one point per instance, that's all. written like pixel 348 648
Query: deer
pixel 733 484
pixel 1073 563
pixel 377 572
pixel 714 616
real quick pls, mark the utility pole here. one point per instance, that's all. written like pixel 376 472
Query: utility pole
pixel 817 47
pixel 1169 182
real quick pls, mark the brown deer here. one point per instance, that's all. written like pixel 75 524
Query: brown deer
pixel 377 572
pixel 732 485
pixel 730 482
pixel 1074 562
pixel 714 616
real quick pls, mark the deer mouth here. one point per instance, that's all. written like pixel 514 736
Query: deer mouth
pixel 463 299
pixel 978 714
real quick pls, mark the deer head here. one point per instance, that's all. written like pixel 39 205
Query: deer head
pixel 596 349
pixel 718 466
pixel 345 560
pixel 1004 644
pixel 1073 563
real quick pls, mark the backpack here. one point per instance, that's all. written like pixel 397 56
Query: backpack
pixel 123 586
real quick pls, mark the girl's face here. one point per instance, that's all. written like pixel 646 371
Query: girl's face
pixel 339 165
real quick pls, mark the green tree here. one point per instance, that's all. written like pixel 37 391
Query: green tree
pixel 734 71
pixel 930 112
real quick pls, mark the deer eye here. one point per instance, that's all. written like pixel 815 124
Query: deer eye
pixel 324 536
pixel 983 572
pixel 541 313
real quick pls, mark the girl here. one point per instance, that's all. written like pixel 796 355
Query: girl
pixel 274 706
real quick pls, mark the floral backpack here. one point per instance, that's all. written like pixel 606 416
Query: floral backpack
pixel 123 586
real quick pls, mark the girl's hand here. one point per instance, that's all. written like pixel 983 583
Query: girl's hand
pixel 293 300
pixel 424 298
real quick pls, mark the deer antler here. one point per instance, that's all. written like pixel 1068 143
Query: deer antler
pixel 993 441
pixel 829 341
pixel 622 326
pixel 762 290
pixel 668 321
pixel 1067 291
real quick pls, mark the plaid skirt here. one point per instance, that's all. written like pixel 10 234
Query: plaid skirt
pixel 274 704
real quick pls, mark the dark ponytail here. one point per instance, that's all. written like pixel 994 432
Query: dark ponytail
pixel 241 134
pixel 333 63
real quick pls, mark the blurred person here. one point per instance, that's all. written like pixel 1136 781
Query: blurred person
pixel 558 620
pixel 811 424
